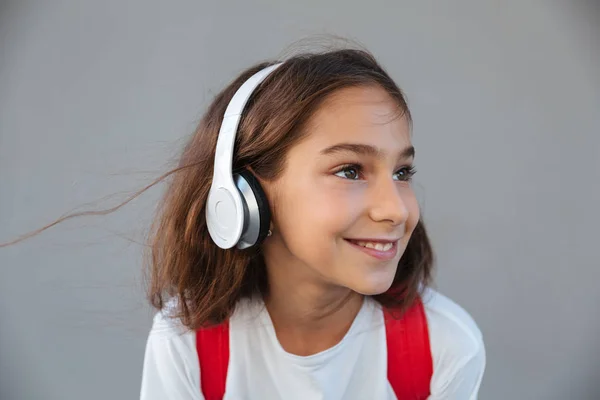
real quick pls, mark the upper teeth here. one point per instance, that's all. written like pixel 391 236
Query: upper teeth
pixel 376 246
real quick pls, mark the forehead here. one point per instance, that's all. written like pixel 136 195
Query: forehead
pixel 366 115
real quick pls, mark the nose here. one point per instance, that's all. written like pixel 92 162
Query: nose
pixel 387 203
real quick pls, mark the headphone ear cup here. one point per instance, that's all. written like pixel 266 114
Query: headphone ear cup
pixel 264 212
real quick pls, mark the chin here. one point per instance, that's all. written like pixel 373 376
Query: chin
pixel 373 287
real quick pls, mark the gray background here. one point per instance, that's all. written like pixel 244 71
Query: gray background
pixel 97 96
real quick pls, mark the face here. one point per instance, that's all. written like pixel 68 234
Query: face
pixel 344 208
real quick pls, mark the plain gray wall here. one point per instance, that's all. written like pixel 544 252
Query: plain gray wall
pixel 97 96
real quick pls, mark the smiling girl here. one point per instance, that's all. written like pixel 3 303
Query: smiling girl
pixel 290 260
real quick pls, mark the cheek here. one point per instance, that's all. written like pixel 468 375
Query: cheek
pixel 309 216
pixel 319 209
pixel 310 219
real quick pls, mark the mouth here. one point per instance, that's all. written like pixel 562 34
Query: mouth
pixel 380 249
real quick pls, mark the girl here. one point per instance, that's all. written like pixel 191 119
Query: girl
pixel 289 259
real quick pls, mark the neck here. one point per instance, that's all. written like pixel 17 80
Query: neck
pixel 308 316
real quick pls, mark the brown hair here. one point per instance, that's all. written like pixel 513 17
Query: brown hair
pixel 184 264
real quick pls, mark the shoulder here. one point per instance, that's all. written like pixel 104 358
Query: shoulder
pixel 457 346
pixel 170 361
pixel 165 326
pixel 446 316
pixel 169 335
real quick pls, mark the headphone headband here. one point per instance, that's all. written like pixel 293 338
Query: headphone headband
pixel 231 121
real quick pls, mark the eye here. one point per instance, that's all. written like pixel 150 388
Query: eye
pixel 351 172
pixel 404 173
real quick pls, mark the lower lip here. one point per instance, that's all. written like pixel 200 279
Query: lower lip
pixel 378 254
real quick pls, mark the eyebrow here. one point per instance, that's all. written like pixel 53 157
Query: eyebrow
pixel 364 149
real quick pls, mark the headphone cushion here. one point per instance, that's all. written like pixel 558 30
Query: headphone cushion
pixel 263 204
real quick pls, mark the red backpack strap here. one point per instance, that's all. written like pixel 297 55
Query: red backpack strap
pixel 410 365
pixel 212 345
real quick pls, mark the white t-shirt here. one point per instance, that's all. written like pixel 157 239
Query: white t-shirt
pixel 354 369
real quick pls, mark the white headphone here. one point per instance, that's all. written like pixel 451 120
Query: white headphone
pixel 237 211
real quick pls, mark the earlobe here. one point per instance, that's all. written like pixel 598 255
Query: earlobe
pixel 271 228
